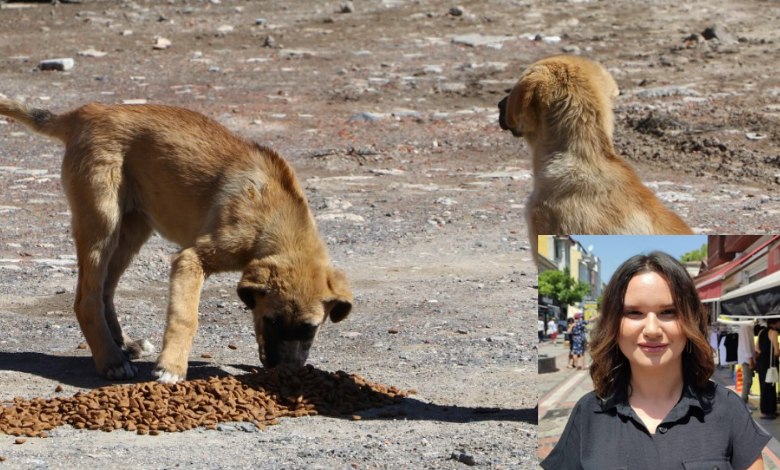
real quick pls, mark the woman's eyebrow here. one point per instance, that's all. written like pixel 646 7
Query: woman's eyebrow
pixel 636 307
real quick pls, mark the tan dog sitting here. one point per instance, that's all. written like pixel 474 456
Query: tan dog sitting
pixel 562 106
pixel 231 205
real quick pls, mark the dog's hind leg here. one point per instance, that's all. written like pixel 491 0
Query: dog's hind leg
pixel 92 184
pixel 134 230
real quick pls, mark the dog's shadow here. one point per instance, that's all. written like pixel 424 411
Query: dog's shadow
pixel 79 372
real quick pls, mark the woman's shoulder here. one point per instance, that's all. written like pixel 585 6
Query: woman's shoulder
pixel 722 399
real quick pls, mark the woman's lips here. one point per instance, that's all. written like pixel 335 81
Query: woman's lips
pixel 653 348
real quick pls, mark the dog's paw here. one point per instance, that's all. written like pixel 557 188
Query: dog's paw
pixel 164 376
pixel 124 371
pixel 137 349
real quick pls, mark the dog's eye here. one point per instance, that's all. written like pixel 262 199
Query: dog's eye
pixel 272 321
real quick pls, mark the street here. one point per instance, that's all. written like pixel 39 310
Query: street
pixel 559 391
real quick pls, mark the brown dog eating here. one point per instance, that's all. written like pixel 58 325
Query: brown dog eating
pixel 230 204
pixel 562 106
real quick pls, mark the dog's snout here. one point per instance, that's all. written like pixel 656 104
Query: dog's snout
pixel 502 113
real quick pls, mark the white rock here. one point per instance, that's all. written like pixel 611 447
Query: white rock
pixel 57 64
pixel 755 136
pixel 161 43
pixel 392 172
pixel 91 52
pixel 474 40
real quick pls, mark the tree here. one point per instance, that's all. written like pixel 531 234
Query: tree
pixel 559 286
pixel 695 255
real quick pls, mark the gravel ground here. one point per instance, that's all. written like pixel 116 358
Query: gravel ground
pixel 387 111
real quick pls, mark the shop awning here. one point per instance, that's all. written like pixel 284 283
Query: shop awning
pixel 709 284
pixel 757 299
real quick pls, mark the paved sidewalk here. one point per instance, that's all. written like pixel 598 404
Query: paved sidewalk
pixel 559 391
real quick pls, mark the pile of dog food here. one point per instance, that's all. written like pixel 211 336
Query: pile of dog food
pixel 151 407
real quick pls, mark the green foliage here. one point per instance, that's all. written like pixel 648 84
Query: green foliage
pixel 695 255
pixel 561 287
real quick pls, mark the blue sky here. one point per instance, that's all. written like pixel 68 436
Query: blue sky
pixel 614 249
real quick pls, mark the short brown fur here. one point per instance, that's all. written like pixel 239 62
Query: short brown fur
pixel 230 204
pixel 562 105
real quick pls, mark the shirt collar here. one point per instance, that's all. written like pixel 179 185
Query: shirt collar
pixel 690 399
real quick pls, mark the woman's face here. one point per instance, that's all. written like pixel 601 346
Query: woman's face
pixel 650 331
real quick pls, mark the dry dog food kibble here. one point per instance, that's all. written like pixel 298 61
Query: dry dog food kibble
pixel 151 407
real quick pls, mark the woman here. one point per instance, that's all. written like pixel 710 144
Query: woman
pixel 569 327
pixel 768 352
pixel 578 340
pixel 552 330
pixel 654 406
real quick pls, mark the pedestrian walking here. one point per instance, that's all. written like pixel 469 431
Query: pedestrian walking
pixel 746 351
pixel 570 363
pixel 578 332
pixel 768 352
pixel 653 405
pixel 552 330
pixel 540 328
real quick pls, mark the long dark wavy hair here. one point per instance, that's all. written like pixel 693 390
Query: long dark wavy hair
pixel 610 370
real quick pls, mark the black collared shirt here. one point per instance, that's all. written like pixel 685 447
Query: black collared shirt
pixel 711 429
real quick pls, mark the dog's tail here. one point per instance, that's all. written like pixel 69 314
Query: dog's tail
pixel 40 120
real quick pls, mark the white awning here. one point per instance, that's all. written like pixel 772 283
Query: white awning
pixel 764 283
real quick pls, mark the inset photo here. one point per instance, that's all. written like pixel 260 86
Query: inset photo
pixel 658 351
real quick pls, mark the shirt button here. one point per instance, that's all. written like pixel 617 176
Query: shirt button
pixel 663 430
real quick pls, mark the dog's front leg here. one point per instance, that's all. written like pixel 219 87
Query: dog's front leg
pixel 187 276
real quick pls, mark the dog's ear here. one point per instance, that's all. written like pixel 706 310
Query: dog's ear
pixel 338 304
pixel 254 282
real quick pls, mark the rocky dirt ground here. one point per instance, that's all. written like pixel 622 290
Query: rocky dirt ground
pixel 387 111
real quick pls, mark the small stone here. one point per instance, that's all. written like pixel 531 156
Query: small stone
pixel 393 332
pixel 755 136
pixel 161 43
pixel 348 7
pixel 92 53
pixel 269 41
pixel 206 356
pixel 719 32
pixel 260 22
pixel 356 418
pixel 2 458
pixel 57 64
pixel 232 346
pixel 20 441
pixel 225 28
pixel 457 11
pixel 82 346
pixel 462 457
pixel 127 32
pixel 571 50
pixel 58 389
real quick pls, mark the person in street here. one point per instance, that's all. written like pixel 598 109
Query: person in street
pixel 570 364
pixel 578 332
pixel 654 405
pixel 540 328
pixel 768 352
pixel 552 330
pixel 746 351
